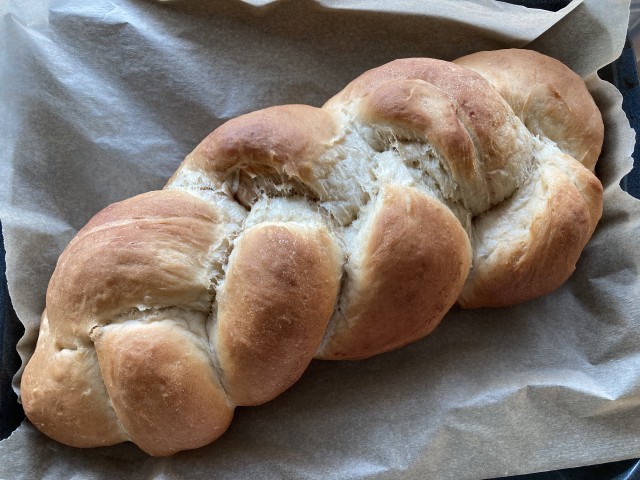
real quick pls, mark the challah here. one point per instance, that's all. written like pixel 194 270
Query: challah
pixel 295 232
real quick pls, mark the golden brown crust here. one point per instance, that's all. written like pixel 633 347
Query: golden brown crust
pixel 420 110
pixel 520 267
pixel 478 106
pixel 162 386
pixel 63 394
pixel 547 96
pixel 457 112
pixel 284 140
pixel 415 258
pixel 423 111
pixel 150 250
pixel 274 307
pixel 170 308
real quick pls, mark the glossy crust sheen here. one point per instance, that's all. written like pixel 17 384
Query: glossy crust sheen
pixel 297 232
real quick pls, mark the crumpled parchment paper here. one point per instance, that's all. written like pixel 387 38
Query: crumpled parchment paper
pixel 101 101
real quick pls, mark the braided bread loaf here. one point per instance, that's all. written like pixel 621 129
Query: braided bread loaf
pixel 296 232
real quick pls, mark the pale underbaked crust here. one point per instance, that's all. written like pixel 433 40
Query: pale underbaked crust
pixel 297 232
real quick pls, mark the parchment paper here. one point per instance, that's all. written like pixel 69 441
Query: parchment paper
pixel 100 101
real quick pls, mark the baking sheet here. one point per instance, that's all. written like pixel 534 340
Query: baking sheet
pixel 102 101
